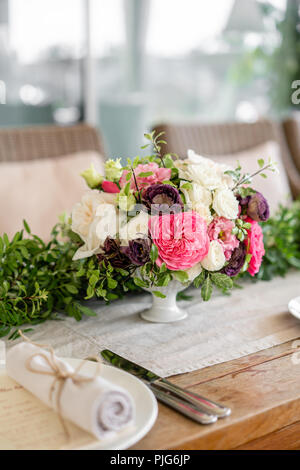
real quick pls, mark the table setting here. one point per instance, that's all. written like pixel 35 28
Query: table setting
pixel 164 267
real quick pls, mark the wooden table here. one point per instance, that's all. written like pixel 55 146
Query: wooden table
pixel 262 389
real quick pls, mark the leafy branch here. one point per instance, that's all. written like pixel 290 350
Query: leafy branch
pixel 239 179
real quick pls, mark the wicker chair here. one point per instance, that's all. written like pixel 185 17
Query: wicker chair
pixel 223 139
pixel 47 142
pixel 292 133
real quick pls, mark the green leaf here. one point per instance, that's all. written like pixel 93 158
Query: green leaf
pixel 145 174
pixel 261 162
pixel 294 262
pixel 183 296
pixel 222 281
pixel 6 239
pixel 153 253
pixel 206 290
pixel 181 276
pixel 163 268
pixel 159 294
pixel 112 283
pixel 71 288
pixel 187 186
pixel 169 183
pixel 93 279
pixel 198 281
pixel 26 226
pixel 88 312
pixel 139 282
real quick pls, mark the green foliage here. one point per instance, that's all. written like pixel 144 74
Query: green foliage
pixel 156 142
pixel 36 279
pixel 240 179
pixel 240 229
pixel 282 242
pixel 39 279
pixel 207 281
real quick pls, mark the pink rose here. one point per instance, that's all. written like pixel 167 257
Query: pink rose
pixel 255 246
pixel 181 239
pixel 109 187
pixel 158 176
pixel 221 230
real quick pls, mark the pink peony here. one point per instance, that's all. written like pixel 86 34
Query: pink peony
pixel 181 239
pixel 158 176
pixel 109 187
pixel 255 246
pixel 221 230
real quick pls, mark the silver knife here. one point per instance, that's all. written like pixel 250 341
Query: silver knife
pixel 187 402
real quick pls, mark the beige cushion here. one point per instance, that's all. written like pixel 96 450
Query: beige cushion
pixel 276 187
pixel 40 190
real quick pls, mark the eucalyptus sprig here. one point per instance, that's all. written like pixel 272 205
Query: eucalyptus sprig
pixel 240 179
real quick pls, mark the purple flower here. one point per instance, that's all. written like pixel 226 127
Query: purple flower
pixel 236 261
pixel 114 254
pixel 243 201
pixel 138 251
pixel 160 198
pixel 258 208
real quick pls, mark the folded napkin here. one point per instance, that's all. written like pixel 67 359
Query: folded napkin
pixel 95 405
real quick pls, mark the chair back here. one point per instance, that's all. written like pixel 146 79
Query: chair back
pixel 230 138
pixel 292 133
pixel 47 142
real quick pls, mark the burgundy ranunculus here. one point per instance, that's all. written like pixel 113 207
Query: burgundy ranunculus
pixel 114 254
pixel 258 208
pixel 138 251
pixel 236 261
pixel 160 198
pixel 243 201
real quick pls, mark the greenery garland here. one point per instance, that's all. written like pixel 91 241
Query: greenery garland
pixel 38 280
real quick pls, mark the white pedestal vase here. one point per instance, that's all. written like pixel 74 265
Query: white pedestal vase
pixel 165 310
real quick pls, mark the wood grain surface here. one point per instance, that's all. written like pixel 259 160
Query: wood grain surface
pixel 262 389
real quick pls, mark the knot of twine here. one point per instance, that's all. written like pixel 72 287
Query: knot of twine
pixel 59 373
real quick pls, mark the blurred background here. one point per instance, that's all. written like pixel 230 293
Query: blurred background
pixel 82 80
pixel 124 65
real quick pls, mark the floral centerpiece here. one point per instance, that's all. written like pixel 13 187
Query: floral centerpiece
pixel 163 223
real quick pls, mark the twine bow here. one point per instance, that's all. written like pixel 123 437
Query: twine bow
pixel 59 373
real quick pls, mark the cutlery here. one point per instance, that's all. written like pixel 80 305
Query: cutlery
pixel 191 404
pixel 183 406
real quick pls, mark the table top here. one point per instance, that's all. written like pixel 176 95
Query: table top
pixel 263 391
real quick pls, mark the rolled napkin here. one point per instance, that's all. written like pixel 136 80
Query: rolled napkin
pixel 93 403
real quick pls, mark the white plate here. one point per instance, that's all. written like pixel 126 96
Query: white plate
pixel 145 405
pixel 294 307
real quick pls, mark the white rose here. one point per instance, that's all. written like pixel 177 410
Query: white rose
pixel 193 157
pixel 207 172
pixel 209 177
pixel 93 220
pixel 106 222
pixel 215 259
pixel 203 211
pixel 137 227
pixel 83 212
pixel 182 167
pixel 225 204
pixel 197 193
pixel 92 244
pixel 194 271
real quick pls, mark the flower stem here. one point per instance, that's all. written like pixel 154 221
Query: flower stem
pixel 246 178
